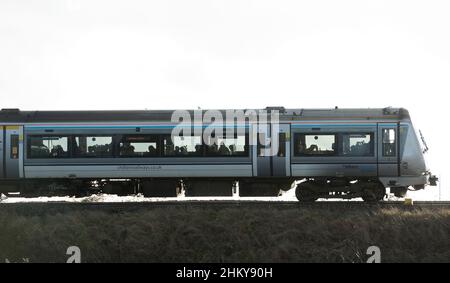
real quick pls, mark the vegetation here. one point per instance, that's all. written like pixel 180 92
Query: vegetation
pixel 224 234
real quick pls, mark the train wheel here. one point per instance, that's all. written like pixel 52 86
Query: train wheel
pixel 373 192
pixel 306 192
pixel 399 192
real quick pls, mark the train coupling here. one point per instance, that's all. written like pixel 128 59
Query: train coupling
pixel 432 179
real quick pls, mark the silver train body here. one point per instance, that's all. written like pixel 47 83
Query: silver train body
pixel 365 146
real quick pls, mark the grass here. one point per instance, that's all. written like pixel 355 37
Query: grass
pixel 219 234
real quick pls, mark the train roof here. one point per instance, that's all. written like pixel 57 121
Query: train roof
pixel 18 116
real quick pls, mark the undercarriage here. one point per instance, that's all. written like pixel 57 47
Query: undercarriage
pixel 308 190
pixel 312 189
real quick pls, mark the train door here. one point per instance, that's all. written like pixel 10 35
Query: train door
pixel 13 152
pixel 274 163
pixel 281 162
pixel 2 150
pixel 388 149
pixel 263 165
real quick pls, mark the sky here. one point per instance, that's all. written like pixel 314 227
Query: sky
pixel 84 55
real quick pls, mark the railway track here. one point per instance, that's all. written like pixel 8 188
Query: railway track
pixel 63 206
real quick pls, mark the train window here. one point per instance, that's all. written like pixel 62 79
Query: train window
pixel 14 147
pixel 389 136
pixel 314 144
pixel 93 146
pixel 139 146
pixel 227 146
pixel 260 148
pixel 282 144
pixel 182 145
pixel 357 144
pixel 48 147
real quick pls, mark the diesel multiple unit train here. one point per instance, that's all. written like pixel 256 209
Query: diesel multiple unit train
pixel 322 153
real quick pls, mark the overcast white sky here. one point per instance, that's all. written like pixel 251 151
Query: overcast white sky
pixel 230 54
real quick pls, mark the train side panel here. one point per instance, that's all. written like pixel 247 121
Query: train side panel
pixel 138 171
pixel 337 163
pixel 126 167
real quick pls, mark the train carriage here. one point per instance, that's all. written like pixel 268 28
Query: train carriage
pixel 323 153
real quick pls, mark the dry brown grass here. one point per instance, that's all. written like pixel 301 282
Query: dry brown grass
pixel 179 234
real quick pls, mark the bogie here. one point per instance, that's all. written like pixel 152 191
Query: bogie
pixel 311 189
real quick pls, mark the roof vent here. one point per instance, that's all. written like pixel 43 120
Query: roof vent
pixel 389 111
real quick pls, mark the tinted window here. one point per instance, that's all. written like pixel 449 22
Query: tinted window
pixel 93 146
pixel 357 144
pixel 314 144
pixel 227 146
pixel 48 147
pixel 182 146
pixel 139 146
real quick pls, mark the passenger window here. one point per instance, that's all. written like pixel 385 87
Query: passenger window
pixel 314 144
pixel 357 144
pixel 139 146
pixel 389 144
pixel 227 146
pixel 14 146
pixel 93 146
pixel 182 145
pixel 48 147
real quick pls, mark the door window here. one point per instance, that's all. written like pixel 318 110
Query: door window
pixel 14 146
pixel 389 137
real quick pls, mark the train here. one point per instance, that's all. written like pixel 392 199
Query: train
pixel 321 153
